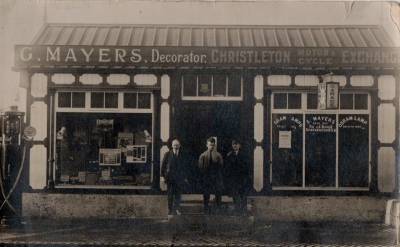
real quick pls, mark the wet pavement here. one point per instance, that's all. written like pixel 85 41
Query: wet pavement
pixel 208 232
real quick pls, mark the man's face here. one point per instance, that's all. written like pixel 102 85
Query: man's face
pixel 175 145
pixel 210 146
pixel 236 147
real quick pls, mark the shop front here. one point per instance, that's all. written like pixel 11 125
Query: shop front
pixel 107 100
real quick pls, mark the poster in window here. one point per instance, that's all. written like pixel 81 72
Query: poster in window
pixel 353 150
pixel 285 139
pixel 287 146
pixel 109 157
pixel 320 147
pixel 124 139
pixel 136 154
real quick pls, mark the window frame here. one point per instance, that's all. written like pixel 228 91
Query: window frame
pixel 88 109
pixel 337 112
pixel 212 97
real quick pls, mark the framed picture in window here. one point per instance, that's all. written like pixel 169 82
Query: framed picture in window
pixel 109 157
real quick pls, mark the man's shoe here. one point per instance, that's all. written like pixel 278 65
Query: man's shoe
pixel 177 212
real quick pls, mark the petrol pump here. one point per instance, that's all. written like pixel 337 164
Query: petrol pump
pixel 13 149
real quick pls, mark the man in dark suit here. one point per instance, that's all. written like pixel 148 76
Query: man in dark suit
pixel 211 164
pixel 174 169
pixel 237 177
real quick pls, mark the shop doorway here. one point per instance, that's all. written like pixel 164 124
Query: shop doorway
pixel 195 122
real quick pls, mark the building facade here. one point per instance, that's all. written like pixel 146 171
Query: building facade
pixel 106 101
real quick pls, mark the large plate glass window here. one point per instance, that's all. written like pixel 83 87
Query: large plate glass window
pixel 104 139
pixel 319 149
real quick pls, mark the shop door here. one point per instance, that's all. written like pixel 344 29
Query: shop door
pixel 195 122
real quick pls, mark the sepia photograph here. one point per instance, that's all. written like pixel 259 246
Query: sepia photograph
pixel 199 123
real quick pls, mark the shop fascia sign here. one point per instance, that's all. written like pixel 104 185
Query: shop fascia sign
pixel 328 95
pixel 45 55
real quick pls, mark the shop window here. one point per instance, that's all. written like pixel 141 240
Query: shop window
pixel 312 101
pixel 294 101
pixel 280 100
pixel 64 99
pixel 361 101
pixel 97 100
pixel 78 100
pixel 235 86
pixel 111 100
pixel 103 149
pixel 130 100
pixel 189 85
pixel 211 87
pixel 219 85
pixel 204 85
pixel 144 100
pixel 346 101
pixel 320 149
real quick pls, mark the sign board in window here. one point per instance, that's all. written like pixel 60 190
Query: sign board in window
pixel 136 154
pixel 109 157
pixel 285 139
pixel 328 95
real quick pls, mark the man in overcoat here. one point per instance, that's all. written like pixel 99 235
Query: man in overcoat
pixel 211 165
pixel 237 177
pixel 174 169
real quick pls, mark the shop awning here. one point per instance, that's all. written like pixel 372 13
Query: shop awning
pixel 208 46
pixel 214 36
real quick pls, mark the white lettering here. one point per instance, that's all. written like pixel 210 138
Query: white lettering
pixel 70 55
pixel 87 54
pixel 120 55
pixel 136 57
pixel 25 54
pixel 53 55
pixel 104 55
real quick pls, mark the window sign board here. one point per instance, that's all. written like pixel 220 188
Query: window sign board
pixel 332 95
pixel 110 157
pixel 285 139
pixel 328 95
pixel 136 154
pixel 322 96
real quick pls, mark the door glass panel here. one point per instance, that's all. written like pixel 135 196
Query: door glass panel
pixel 234 86
pixel 353 150
pixel 287 149
pixel 219 84
pixel 320 150
pixel 189 85
pixel 204 85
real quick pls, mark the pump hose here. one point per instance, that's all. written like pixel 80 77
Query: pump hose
pixel 6 197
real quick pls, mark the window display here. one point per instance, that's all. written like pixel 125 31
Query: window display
pixel 103 148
